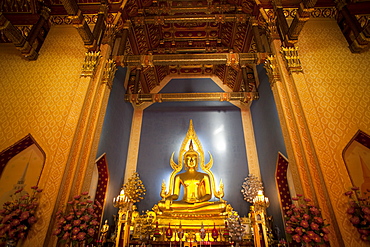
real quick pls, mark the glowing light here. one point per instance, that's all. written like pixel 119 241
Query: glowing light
pixel 219 130
pixel 220 142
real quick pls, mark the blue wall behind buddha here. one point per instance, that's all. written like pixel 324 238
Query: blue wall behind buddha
pixel 219 128
pixel 114 140
pixel 269 141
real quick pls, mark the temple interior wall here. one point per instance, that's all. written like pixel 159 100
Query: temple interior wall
pixel 335 96
pixel 44 98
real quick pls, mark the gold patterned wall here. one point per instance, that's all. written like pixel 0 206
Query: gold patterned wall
pixel 44 98
pixel 335 96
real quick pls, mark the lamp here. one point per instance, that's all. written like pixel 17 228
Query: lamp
pixel 261 200
pixel 121 200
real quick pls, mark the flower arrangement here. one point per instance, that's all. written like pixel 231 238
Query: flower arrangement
pixel 304 223
pixel 19 214
pixel 79 222
pixel 359 211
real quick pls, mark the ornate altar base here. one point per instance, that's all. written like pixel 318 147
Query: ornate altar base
pixel 189 244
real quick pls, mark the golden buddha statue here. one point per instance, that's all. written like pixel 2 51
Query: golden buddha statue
pixel 198 187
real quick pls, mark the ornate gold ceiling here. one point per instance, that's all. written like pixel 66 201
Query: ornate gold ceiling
pixel 224 38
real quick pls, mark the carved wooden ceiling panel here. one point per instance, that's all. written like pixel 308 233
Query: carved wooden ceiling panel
pixel 157 27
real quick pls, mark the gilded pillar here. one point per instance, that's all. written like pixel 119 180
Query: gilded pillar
pixel 97 72
pixel 79 22
pixel 20 42
pixel 100 23
pixel 123 42
pixel 303 161
pixel 134 144
pixel 257 36
pixel 357 37
pixel 302 16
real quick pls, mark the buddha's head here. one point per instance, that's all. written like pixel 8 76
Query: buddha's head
pixel 191 158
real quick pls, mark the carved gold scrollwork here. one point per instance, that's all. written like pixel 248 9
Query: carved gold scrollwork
pixel 108 72
pixel 147 60
pixel 233 60
pixel 90 63
pixel 272 69
pixel 291 58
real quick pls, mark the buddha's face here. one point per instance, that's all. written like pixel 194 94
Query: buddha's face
pixel 191 160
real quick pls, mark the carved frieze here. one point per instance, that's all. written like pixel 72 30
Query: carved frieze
pixel 108 72
pixel 272 69
pixel 91 62
pixel 291 59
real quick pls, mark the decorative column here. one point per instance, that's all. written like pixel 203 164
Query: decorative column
pixel 257 36
pixel 99 27
pixel 302 16
pixel 357 37
pixel 97 75
pixel 286 74
pixel 79 22
pixel 20 42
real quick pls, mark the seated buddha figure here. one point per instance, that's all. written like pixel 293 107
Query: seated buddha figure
pixel 197 190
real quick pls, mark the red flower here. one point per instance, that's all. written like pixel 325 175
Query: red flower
pixel 306 217
pixel 297 238
pixel 350 210
pixel 67 227
pixel 304 224
pixel 299 230
pixel 355 220
pixel 25 215
pixel 57 231
pixel 80 220
pixel 348 193
pixel 65 236
pixel 314 210
pixel 318 220
pixel 326 230
pixel 31 220
pixel 76 222
pixel 75 230
pixel 317 238
pixel 289 229
pixel 314 226
pixel 15 222
pixel 81 236
pixel 77 197
pixel 306 239
pixel 22 235
pixel 366 210
pixel 91 231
